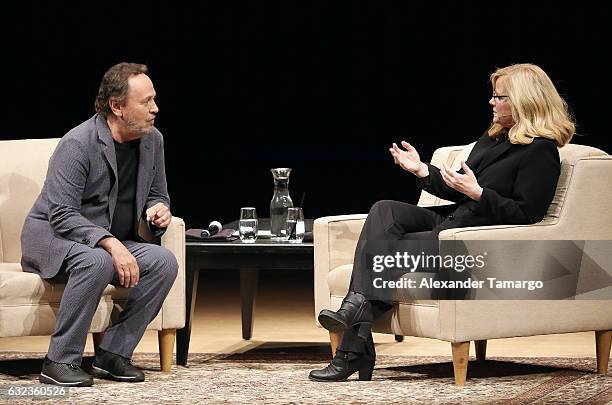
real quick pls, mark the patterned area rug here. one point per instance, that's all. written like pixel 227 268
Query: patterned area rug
pixel 274 376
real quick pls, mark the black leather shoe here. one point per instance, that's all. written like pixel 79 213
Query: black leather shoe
pixel 67 375
pixel 111 366
pixel 355 310
pixel 343 365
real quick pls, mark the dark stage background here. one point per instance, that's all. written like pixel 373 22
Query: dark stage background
pixel 322 87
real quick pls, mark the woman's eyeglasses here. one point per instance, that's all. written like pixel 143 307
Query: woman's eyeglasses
pixel 496 98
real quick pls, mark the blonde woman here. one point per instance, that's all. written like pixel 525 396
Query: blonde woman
pixel 510 177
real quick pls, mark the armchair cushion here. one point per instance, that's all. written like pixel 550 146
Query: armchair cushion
pixel 21 288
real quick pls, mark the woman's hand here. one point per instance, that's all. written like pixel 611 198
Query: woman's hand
pixel 409 159
pixel 463 183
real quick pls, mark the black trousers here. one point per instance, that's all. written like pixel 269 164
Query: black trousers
pixel 387 221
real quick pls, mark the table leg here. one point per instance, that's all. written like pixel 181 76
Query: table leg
pixel 248 288
pixel 191 291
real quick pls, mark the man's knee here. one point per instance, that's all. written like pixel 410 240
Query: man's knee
pixel 171 268
pixel 166 263
pixel 96 264
pixel 100 258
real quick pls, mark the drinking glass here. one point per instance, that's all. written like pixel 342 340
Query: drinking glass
pixel 295 225
pixel 247 226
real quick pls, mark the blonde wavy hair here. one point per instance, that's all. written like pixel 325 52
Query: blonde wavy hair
pixel 537 108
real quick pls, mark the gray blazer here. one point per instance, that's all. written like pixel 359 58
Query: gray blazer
pixel 78 199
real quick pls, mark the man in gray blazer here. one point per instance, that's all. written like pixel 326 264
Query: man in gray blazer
pixel 104 177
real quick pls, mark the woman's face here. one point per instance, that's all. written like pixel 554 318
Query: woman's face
pixel 502 110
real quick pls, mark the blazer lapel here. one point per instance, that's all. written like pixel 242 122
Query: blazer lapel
pixel 145 172
pixel 108 148
pixel 492 155
pixel 479 150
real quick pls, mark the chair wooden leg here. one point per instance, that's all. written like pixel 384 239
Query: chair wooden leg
pixel 481 349
pixel 334 341
pixel 97 339
pixel 166 346
pixel 461 352
pixel 603 339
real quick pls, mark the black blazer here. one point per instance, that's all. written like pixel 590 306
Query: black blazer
pixel 518 181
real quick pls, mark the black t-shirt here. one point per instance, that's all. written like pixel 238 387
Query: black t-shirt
pixel 125 217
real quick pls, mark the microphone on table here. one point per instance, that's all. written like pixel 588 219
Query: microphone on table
pixel 213 228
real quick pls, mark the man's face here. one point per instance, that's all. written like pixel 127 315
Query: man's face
pixel 140 108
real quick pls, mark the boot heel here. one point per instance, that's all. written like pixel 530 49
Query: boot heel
pixel 364 330
pixel 365 373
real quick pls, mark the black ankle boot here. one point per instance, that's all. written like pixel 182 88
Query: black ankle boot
pixel 355 310
pixel 343 365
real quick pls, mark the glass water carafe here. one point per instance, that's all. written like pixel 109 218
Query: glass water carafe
pixel 281 201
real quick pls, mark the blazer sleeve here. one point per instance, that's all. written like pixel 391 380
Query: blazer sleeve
pixel 534 188
pixel 434 184
pixel 65 184
pixel 158 192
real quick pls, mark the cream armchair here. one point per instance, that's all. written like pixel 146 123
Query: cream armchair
pixel 29 304
pixel 581 210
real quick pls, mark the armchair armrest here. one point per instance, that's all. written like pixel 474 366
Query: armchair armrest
pixel 173 308
pixel 567 266
pixel 172 312
pixel 545 230
pixel 335 239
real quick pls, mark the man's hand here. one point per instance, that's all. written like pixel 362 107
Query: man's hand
pixel 159 215
pixel 125 263
pixel 463 183
pixel 409 159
